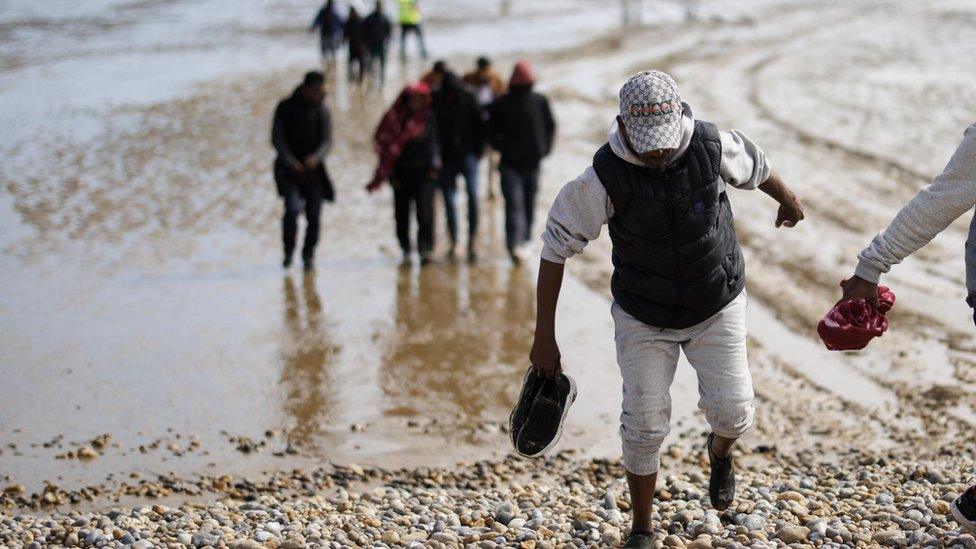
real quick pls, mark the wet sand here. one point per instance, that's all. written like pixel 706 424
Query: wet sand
pixel 149 329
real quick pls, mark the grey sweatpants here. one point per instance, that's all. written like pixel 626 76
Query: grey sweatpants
pixel 648 357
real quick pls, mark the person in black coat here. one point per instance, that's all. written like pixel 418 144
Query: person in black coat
pixel 460 127
pixel 522 129
pixel 302 135
pixel 377 30
pixel 352 33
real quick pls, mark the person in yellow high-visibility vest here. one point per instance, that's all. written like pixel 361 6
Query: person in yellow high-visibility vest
pixel 410 19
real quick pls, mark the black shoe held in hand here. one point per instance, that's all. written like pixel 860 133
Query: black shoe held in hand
pixel 536 421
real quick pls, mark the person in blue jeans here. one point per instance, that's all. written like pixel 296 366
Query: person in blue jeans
pixel 459 124
pixel 522 129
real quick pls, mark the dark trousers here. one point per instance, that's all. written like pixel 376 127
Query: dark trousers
pixel 519 187
pixel 468 168
pixel 414 189
pixel 419 31
pixel 357 65
pixel 295 196
pixel 376 63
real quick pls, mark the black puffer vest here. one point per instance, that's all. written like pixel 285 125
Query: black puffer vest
pixel 676 258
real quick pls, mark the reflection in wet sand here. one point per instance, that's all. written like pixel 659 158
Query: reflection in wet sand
pixel 462 334
pixel 307 355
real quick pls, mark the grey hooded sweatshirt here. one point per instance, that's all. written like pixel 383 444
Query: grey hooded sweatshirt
pixel 949 196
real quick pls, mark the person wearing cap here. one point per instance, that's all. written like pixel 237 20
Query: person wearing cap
pixel 660 184
pixel 521 127
pixel 928 213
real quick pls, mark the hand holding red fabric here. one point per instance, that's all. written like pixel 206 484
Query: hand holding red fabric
pixel 850 325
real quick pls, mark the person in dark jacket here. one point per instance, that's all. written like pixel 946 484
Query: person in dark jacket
pixel 329 24
pixel 522 129
pixel 407 144
pixel 353 34
pixel 459 125
pixel 302 135
pixel 377 30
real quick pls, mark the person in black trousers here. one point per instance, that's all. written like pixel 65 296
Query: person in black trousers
pixel 409 157
pixel 522 129
pixel 460 127
pixel 302 135
pixel 353 34
pixel 377 30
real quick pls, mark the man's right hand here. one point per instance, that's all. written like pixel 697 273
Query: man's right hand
pixel 856 287
pixel 545 357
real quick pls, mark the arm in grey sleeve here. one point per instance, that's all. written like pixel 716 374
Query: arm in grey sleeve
pixel 744 164
pixel 326 130
pixel 279 141
pixel 928 213
pixel 971 257
pixel 576 217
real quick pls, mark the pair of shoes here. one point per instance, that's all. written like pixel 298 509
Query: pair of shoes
pixel 721 484
pixel 472 253
pixel 964 509
pixel 640 539
pixel 287 262
pixel 452 253
pixel 425 258
pixel 536 422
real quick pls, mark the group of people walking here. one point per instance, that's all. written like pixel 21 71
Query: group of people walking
pixel 367 37
pixel 437 131
pixel 439 128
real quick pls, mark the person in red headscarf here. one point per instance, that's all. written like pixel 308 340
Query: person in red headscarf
pixel 408 148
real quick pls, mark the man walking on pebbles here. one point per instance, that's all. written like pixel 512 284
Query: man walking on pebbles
pixel 679 275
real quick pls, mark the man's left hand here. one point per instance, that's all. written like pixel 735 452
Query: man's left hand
pixel 790 213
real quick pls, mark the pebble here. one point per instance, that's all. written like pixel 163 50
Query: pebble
pixel 792 534
pixel 753 522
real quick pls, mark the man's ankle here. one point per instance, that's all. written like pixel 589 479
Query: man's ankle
pixel 715 452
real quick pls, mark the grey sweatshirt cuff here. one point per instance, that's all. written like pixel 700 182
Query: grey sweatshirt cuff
pixel 550 255
pixel 868 272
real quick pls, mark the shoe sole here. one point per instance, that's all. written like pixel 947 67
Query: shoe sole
pixel 962 520
pixel 570 400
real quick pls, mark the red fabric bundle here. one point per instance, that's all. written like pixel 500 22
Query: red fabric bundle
pixel 852 324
